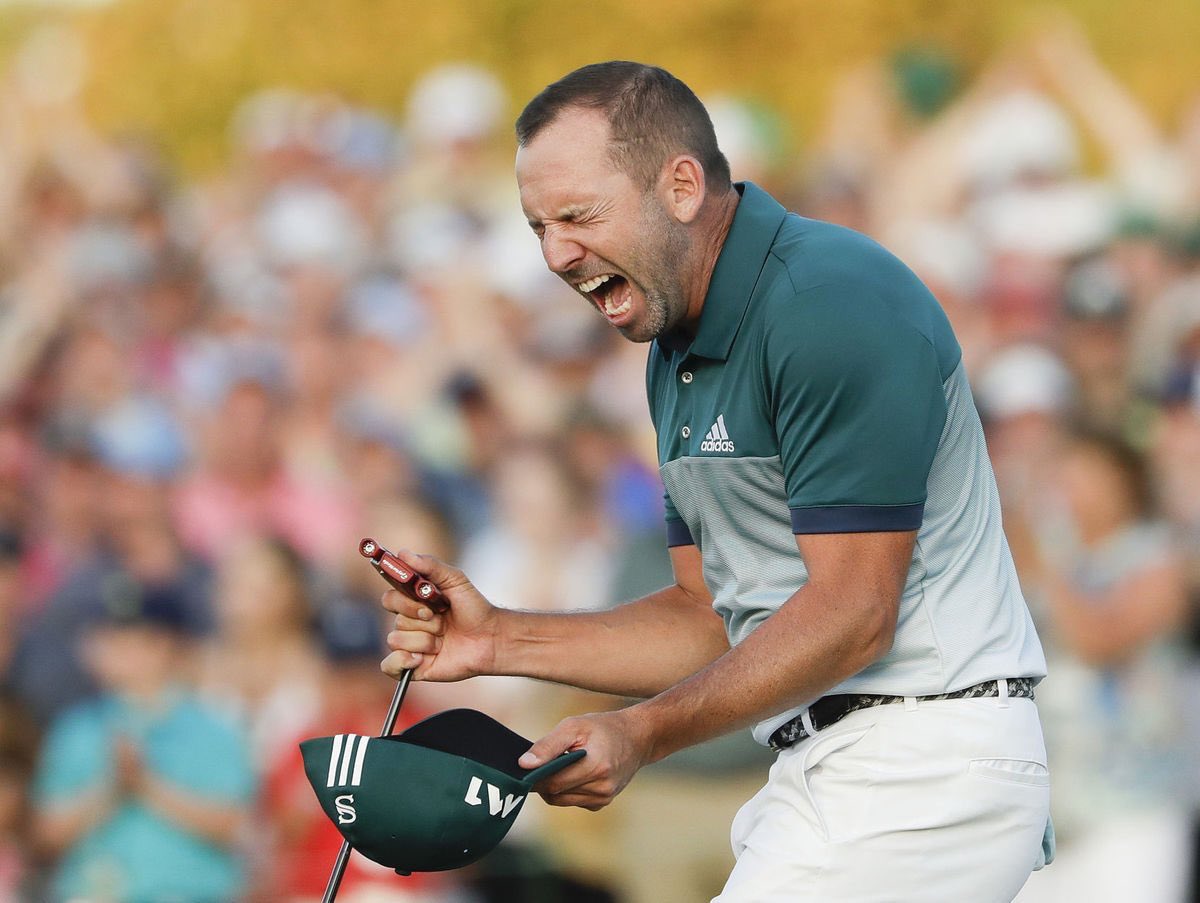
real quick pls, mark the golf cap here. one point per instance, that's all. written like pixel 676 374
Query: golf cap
pixel 438 796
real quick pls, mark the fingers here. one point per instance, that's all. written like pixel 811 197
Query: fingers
pixel 445 577
pixel 411 614
pixel 588 801
pixel 395 601
pixel 579 779
pixel 564 737
pixel 580 785
pixel 414 641
pixel 417 633
pixel 396 663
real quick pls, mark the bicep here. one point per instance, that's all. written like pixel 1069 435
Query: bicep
pixel 862 572
pixel 688 567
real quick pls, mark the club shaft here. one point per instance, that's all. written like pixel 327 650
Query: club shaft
pixel 389 725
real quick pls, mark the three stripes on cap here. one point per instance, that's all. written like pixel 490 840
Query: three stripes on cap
pixel 343 753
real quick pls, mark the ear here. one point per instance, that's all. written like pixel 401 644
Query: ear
pixel 683 188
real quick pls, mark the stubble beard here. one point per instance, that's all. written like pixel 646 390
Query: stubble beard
pixel 661 285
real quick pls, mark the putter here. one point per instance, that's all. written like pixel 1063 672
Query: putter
pixel 401 577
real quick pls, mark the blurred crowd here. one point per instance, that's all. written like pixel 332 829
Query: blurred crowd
pixel 212 388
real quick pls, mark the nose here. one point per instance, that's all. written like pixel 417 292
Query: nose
pixel 560 251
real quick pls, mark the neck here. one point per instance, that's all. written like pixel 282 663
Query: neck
pixel 147 695
pixel 710 240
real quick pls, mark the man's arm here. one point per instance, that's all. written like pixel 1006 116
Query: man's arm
pixel 637 649
pixel 838 623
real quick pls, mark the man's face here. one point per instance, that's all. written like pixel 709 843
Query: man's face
pixel 612 241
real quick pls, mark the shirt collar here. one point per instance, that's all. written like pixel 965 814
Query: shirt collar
pixel 751 235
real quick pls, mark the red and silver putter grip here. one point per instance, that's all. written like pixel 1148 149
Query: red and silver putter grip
pixel 401 576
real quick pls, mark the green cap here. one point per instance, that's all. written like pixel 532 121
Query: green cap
pixel 437 796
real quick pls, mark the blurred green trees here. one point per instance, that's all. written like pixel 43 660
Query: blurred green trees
pixel 177 68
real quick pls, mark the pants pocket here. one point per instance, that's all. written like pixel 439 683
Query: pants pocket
pixel 820 774
pixel 1012 771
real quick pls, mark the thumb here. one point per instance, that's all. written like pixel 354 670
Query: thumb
pixel 554 744
pixel 440 574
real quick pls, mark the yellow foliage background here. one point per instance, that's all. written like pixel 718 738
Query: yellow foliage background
pixel 177 68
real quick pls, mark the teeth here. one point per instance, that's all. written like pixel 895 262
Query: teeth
pixel 618 309
pixel 592 284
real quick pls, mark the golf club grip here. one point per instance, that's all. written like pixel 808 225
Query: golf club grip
pixel 401 577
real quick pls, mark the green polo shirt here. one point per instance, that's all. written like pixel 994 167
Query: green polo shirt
pixel 824 393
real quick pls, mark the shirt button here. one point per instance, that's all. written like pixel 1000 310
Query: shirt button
pixel 685 432
pixel 686 376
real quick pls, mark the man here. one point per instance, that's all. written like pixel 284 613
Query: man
pixel 832 517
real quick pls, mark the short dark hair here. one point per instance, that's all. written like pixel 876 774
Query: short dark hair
pixel 651 115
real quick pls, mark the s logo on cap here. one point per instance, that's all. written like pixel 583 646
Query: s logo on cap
pixel 345 809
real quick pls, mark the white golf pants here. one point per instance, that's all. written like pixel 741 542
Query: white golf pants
pixel 937 802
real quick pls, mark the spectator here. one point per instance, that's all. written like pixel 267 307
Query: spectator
pixel 134 541
pixel 1113 598
pixel 241 487
pixel 261 664
pixel 142 793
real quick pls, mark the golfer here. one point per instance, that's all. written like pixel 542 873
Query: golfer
pixel 842 582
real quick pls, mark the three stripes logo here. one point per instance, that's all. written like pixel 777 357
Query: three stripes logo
pixel 717 439
pixel 346 760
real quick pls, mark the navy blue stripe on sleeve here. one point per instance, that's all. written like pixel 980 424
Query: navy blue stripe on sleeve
pixel 678 534
pixel 858 518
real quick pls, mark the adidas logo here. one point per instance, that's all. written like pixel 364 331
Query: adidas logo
pixel 717 439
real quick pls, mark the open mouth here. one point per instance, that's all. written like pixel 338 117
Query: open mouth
pixel 609 292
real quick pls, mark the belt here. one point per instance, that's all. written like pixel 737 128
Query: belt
pixel 829 710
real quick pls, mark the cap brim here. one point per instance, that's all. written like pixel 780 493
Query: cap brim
pixel 481 738
pixel 554 766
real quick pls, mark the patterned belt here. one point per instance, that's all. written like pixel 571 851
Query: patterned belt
pixel 829 710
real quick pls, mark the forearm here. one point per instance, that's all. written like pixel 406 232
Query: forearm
pixel 636 649
pixel 61 824
pixel 1107 630
pixel 217 822
pixel 794 657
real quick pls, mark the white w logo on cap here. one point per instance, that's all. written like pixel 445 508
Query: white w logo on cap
pixel 341 757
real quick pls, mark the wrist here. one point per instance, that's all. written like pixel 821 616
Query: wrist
pixel 644 724
pixel 505 631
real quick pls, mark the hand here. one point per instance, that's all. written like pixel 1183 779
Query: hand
pixel 455 644
pixel 129 772
pixel 617 746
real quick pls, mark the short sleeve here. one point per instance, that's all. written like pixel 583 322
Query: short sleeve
pixel 859 407
pixel 678 532
pixel 73 758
